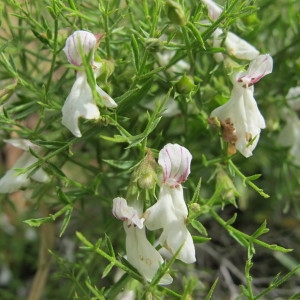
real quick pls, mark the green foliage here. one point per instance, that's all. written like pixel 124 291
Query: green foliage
pixel 160 101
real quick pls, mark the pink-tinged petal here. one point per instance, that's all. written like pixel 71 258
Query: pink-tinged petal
pixel 143 256
pixel 80 43
pixel 258 68
pixel 126 213
pixel 175 161
pixel 213 9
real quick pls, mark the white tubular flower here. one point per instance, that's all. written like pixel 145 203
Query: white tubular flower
pixel 170 211
pixel 293 97
pixel 241 110
pixel 235 45
pixel 12 181
pixel 140 253
pixel 80 101
pixel 80 43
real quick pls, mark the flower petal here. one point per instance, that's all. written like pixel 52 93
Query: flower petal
pixel 22 144
pixel 107 100
pixel 79 103
pixel 239 48
pixel 142 255
pixel 126 213
pixel 79 43
pixel 12 181
pixel 175 235
pixel 175 161
pixel 261 66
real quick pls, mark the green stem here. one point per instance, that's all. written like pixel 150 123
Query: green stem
pixel 54 55
pixel 246 180
pixel 249 238
pixel 188 45
pixel 112 259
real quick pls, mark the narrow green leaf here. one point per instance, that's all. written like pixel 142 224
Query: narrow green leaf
pixel 134 98
pixel 211 290
pixel 109 246
pixel 232 219
pixel 66 221
pixel 261 230
pixel 37 222
pixel 239 238
pixel 107 270
pixel 196 34
pixel 135 52
pixel 120 164
pixel 199 227
pixel 254 177
pixel 200 239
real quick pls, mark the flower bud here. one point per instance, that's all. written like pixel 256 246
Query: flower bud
pixel 195 208
pixel 228 190
pixel 146 172
pixel 185 84
pixel 175 13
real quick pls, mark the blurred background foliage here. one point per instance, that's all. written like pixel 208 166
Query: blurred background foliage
pixel 87 173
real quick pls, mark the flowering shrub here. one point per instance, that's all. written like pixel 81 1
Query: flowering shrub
pixel 138 160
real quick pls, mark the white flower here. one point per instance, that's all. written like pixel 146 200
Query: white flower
pixel 235 45
pixel 80 101
pixel 170 211
pixel 241 110
pixel 293 97
pixel 140 253
pixel 12 181
pixel 290 137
